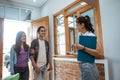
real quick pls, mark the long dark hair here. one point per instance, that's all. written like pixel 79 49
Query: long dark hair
pixel 86 21
pixel 17 46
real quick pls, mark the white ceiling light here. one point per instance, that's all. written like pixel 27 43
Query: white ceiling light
pixel 83 3
pixel 34 0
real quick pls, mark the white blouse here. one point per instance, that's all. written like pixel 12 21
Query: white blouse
pixel 88 34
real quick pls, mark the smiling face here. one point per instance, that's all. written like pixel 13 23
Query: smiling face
pixel 20 37
pixel 80 27
pixel 42 32
pixel 23 37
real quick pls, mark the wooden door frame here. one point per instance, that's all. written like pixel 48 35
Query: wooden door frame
pixel 1 45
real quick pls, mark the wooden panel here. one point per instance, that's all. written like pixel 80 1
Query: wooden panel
pixel 67 38
pixel 55 35
pixel 40 22
pixel 1 45
pixel 98 26
pixel 85 8
pixel 68 7
pixel 72 5
pixel 80 10
pixel 91 2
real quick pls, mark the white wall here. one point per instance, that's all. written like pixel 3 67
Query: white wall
pixel 35 10
pixel 110 15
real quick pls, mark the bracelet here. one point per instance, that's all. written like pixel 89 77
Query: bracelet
pixel 83 48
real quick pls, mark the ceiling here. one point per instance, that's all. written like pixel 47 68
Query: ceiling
pixel 38 3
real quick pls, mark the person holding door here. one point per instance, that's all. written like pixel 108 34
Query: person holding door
pixel 87 56
pixel 39 55
pixel 19 57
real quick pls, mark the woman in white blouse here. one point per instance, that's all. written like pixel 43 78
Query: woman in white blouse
pixel 88 68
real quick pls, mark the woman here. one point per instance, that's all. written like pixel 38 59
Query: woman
pixel 88 69
pixel 19 57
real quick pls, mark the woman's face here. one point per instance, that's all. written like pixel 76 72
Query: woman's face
pixel 42 32
pixel 80 27
pixel 23 38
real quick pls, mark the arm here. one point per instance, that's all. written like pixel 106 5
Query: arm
pixel 12 54
pixel 49 64
pixel 71 53
pixel 95 52
pixel 32 53
pixel 32 48
pixel 35 66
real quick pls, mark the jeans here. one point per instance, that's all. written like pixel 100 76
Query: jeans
pixel 89 71
pixel 42 75
pixel 23 72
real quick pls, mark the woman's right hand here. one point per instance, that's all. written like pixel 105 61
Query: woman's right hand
pixel 71 53
pixel 68 53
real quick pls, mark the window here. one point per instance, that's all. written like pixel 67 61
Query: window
pixel 15 13
pixel 60 35
pixel 1 11
pixel 12 13
pixel 65 26
pixel 25 15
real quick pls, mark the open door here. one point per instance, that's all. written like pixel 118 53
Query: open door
pixel 32 35
pixel 1 45
pixel 35 24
